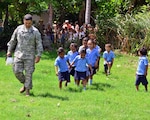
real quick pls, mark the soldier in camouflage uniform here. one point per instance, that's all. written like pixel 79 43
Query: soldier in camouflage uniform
pixel 27 43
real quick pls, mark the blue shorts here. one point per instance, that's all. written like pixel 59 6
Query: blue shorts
pixel 64 76
pixel 141 79
pixel 72 71
pixel 94 70
pixel 80 75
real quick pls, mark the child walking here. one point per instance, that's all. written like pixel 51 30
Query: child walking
pixel 142 69
pixel 93 57
pixel 108 56
pixel 84 44
pixel 81 68
pixel 71 56
pixel 61 67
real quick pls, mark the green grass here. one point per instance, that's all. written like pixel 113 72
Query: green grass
pixel 109 98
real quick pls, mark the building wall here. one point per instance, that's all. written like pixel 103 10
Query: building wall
pixel 43 16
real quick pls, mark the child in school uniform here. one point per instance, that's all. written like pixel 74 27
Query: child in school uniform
pixel 142 69
pixel 93 57
pixel 108 56
pixel 84 44
pixel 71 56
pixel 81 68
pixel 99 50
pixel 61 67
pixel 93 37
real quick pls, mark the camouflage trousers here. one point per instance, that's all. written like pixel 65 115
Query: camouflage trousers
pixel 23 70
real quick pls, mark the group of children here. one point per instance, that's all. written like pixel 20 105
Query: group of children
pixel 82 63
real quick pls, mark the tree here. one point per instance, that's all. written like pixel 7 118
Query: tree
pixel 88 12
pixel 50 10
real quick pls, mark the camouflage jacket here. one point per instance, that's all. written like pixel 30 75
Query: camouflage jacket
pixel 27 43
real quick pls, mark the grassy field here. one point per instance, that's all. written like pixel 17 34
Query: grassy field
pixel 109 98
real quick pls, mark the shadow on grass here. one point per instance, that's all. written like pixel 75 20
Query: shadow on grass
pixel 53 96
pixel 100 86
pixel 79 89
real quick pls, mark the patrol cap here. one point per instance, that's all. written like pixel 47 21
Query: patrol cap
pixel 28 17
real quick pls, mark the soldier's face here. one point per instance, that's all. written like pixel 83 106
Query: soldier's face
pixel 28 23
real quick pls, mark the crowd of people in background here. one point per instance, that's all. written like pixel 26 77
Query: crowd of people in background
pixel 66 32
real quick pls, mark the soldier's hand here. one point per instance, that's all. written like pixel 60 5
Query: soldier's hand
pixel 37 59
pixel 9 54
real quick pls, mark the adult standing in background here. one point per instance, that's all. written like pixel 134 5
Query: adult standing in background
pixel 27 43
pixel 66 25
pixel 77 27
pixel 55 31
pixel 41 28
pixel 1 25
pixel 50 33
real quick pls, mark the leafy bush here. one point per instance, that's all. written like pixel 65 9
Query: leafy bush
pixel 106 29
pixel 128 32
pixel 6 34
pixel 135 28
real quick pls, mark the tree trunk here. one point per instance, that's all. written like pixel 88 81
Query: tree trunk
pixel 82 14
pixel 50 20
pixel 6 19
pixel 0 13
pixel 88 11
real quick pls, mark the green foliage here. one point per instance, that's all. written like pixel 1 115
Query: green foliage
pixel 105 12
pixel 135 27
pixel 63 8
pixel 37 8
pixel 21 7
pixel 113 17
pixel 144 22
pixel 132 25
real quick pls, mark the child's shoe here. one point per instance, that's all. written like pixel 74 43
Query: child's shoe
pixel 90 83
pixel 84 88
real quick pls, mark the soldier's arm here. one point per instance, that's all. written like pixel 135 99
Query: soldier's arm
pixel 39 46
pixel 12 43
